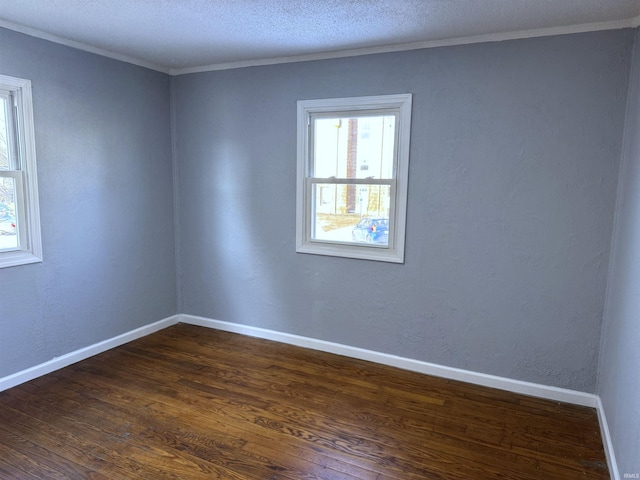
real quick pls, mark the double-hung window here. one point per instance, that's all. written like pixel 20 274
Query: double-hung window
pixel 20 241
pixel 353 164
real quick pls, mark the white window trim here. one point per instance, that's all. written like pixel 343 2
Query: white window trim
pixel 399 185
pixel 26 178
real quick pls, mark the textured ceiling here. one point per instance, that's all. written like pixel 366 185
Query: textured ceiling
pixel 178 35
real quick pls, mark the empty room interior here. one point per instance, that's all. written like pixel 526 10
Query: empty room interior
pixel 322 240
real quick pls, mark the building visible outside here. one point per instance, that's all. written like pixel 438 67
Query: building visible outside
pixel 358 148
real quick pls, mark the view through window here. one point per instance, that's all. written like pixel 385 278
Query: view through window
pixel 353 156
pixel 9 239
pixel 357 155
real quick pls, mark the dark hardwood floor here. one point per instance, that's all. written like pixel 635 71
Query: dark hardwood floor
pixel 191 403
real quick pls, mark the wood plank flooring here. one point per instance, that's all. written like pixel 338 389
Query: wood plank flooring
pixel 194 403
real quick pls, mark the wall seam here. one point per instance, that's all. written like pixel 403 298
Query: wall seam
pixel 176 195
pixel 634 74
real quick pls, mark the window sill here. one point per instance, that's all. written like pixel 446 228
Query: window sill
pixel 352 251
pixel 15 259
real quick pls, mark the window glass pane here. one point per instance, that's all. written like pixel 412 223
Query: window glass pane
pixel 354 147
pixel 8 220
pixel 351 213
pixel 4 146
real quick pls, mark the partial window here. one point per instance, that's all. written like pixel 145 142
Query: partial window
pixel 20 241
pixel 353 164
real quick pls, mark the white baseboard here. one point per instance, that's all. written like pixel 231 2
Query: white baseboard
pixel 606 441
pixel 86 352
pixel 502 383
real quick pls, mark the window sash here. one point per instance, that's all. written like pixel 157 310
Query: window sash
pixel 13 127
pixel 311 179
pixel 309 204
pixel 21 217
pixel 311 134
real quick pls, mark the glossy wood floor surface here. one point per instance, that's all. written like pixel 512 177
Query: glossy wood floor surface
pixel 194 403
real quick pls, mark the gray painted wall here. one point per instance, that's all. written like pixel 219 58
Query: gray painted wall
pixel 513 175
pixel 514 160
pixel 105 173
pixel 618 379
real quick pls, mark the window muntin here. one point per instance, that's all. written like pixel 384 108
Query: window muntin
pixel 352 170
pixel 20 241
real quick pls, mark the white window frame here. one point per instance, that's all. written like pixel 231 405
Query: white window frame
pixel 399 105
pixel 24 173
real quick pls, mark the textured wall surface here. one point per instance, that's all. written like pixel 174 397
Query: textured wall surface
pixel 104 168
pixel 513 172
pixel 618 379
pixel 514 162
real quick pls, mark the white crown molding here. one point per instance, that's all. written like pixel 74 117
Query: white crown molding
pixel 447 42
pixel 83 353
pixel 493 37
pixel 80 46
pixel 492 381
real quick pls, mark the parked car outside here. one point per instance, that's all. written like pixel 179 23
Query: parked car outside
pixel 371 230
